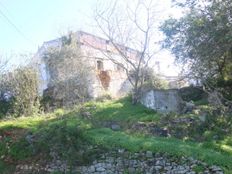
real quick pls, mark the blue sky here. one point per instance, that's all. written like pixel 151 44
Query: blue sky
pixel 39 21
pixel 44 20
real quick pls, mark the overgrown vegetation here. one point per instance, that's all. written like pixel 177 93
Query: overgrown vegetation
pixel 192 93
pixel 79 136
pixel 19 92
pixel 70 72
pixel 206 125
pixel 149 79
pixel 201 41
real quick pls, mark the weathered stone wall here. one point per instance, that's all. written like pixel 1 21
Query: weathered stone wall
pixel 124 162
pixel 116 79
pixel 163 101
pixel 93 49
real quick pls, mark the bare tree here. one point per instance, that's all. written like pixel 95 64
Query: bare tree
pixel 129 25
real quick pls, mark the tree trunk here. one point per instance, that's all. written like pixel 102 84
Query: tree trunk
pixel 135 92
pixel 135 96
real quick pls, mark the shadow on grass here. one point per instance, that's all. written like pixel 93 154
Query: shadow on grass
pixel 108 138
pixel 77 141
pixel 121 111
pixel 62 135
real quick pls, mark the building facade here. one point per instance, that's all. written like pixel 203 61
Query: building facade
pixel 109 77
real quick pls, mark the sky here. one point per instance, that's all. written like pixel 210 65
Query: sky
pixel 26 24
pixel 39 21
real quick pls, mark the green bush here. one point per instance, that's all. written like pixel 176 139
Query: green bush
pixel 215 126
pixel 153 80
pixel 5 106
pixel 66 138
pixel 19 92
pixel 225 86
pixel 150 80
pixel 192 93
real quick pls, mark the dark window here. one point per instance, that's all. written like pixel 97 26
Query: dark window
pixel 99 65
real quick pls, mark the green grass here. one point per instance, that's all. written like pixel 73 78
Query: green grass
pixel 121 111
pixel 198 168
pixel 109 138
pixel 64 130
pixel 25 122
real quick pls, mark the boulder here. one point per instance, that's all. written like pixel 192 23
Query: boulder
pixel 115 127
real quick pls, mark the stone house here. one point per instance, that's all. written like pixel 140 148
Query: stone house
pixel 108 77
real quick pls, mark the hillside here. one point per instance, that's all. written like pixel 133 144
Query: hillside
pixel 91 134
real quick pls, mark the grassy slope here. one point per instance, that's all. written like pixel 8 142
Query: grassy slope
pixel 64 128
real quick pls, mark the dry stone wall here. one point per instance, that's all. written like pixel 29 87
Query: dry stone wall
pixel 123 162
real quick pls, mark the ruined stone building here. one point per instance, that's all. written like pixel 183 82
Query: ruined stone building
pixel 108 77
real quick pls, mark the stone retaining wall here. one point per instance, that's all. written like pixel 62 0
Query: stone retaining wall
pixel 124 162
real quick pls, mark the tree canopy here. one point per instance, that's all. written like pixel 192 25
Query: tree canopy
pixel 202 40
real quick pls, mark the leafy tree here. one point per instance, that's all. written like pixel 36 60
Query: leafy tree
pixel 202 41
pixel 19 92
